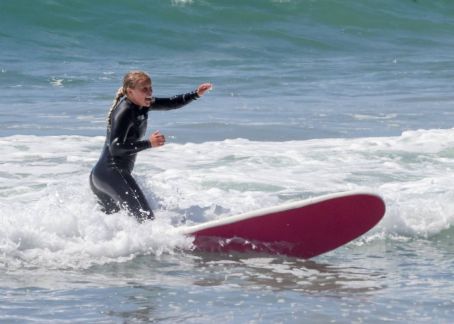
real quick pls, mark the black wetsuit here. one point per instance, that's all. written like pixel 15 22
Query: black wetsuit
pixel 111 178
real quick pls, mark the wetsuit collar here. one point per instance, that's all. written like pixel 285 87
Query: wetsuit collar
pixel 131 103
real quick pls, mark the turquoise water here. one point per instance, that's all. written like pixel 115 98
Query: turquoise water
pixel 309 98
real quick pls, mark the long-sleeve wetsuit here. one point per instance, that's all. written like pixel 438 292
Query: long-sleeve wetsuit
pixel 111 178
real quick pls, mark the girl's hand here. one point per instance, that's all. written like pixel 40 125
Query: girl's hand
pixel 157 139
pixel 204 87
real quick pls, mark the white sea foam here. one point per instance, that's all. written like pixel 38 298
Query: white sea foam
pixel 49 217
pixel 374 117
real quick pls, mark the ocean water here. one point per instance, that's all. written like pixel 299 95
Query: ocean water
pixel 310 97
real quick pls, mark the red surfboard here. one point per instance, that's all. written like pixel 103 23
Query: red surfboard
pixel 302 229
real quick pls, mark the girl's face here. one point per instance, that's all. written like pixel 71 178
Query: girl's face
pixel 141 94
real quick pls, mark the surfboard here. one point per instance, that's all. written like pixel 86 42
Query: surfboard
pixel 303 229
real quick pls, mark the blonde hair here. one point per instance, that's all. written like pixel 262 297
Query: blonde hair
pixel 130 81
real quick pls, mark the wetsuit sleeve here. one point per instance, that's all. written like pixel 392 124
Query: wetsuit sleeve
pixel 174 102
pixel 119 142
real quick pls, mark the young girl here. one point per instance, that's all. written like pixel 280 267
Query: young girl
pixel 111 178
